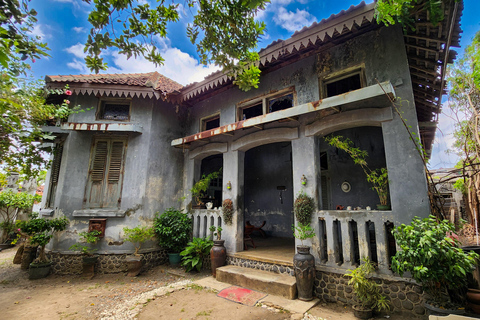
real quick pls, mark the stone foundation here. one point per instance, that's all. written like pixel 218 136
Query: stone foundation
pixel 259 265
pixel 65 264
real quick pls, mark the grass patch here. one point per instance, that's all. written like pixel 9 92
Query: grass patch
pixel 204 313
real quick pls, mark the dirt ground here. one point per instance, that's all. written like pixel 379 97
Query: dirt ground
pixel 160 293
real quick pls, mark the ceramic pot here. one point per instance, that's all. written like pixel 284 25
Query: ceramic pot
pixel 304 267
pixel 174 259
pixel 473 278
pixel 134 265
pixel 361 313
pixel 39 270
pixel 218 256
pixel 89 263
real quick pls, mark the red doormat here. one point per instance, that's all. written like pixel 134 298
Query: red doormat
pixel 241 295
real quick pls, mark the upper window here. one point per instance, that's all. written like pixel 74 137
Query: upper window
pixel 117 110
pixel 105 176
pixel 343 82
pixel 281 100
pixel 211 122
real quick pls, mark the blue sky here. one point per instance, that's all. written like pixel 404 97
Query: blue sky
pixel 63 25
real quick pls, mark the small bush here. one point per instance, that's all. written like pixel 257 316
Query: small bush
pixel 173 229
pixel 303 208
pixel 195 252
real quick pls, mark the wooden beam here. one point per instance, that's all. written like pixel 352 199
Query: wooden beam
pixel 423 48
pixel 417 58
pixel 424 76
pixel 433 73
pixel 426 38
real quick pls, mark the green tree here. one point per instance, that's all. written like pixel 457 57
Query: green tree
pixel 464 101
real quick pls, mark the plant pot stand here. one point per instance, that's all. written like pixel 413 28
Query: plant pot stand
pixel 38 270
pixel 134 265
pixel 218 256
pixel 304 267
pixel 361 313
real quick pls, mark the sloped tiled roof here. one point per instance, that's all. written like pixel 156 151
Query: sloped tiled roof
pixel 137 83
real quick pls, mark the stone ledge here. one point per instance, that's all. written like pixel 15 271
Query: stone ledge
pixel 98 213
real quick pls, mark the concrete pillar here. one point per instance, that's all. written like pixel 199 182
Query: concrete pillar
pixel 233 172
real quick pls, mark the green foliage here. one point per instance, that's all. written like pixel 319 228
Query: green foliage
pixel 366 290
pixel 199 188
pixel 173 229
pixel 391 12
pixel 90 238
pixel 196 250
pixel 227 209
pixel 432 256
pixel 217 232
pixel 10 203
pixel 303 231
pixel 460 186
pixel 138 235
pixel 41 231
pixel 303 208
pixel 377 177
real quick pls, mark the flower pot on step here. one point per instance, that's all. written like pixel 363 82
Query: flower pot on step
pixel 134 265
pixel 218 256
pixel 304 267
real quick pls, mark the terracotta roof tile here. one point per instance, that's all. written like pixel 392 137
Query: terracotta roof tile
pixel 152 79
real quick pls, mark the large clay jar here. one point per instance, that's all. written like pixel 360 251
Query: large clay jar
pixel 218 255
pixel 304 267
pixel 473 298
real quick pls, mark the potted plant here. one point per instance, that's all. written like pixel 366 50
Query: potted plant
pixel 87 240
pixel 195 252
pixel 366 290
pixel 435 260
pixel 40 232
pixel 201 186
pixel 227 210
pixel 173 229
pixel 137 236
pixel 304 262
pixel 377 177
pixel 303 208
pixel 218 253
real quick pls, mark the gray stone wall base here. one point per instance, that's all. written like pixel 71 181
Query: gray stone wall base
pixel 67 264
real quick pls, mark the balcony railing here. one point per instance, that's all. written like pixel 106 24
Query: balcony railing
pixel 203 219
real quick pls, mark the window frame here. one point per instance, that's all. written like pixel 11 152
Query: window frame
pixel 340 75
pixel 204 120
pixel 54 175
pixel 101 108
pixel 264 99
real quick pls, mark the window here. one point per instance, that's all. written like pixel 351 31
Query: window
pixel 54 173
pixel 117 110
pixel 211 122
pixel 105 176
pixel 342 82
pixel 281 100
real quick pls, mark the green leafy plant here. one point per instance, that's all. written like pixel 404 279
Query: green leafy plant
pixel 41 231
pixel 433 257
pixel 199 188
pixel 11 202
pixel 196 250
pixel 366 290
pixel 138 236
pixel 303 232
pixel 303 208
pixel 173 229
pixel 216 231
pixel 89 238
pixel 227 209
pixel 377 177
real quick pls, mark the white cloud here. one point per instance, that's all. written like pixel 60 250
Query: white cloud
pixel 77 50
pixel 38 31
pixel 79 29
pixel 293 21
pixel 79 65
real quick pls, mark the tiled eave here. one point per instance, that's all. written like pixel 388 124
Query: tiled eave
pixel 357 98
pixel 103 127
pixel 309 37
pixel 109 90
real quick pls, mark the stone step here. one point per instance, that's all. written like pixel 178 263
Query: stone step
pixel 268 282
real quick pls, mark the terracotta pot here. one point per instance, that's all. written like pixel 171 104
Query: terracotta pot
pixel 304 267
pixel 361 313
pixel 218 256
pixel 473 298
pixel 134 265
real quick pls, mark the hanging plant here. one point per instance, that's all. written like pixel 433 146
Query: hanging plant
pixel 227 207
pixel 303 208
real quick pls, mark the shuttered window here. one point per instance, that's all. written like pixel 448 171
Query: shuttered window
pixel 105 177
pixel 54 173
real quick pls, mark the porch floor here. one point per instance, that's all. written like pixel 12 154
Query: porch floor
pixel 270 250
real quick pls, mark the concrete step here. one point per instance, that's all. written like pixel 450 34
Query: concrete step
pixel 268 282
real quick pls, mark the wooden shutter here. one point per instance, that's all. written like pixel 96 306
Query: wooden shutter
pixel 106 173
pixel 54 173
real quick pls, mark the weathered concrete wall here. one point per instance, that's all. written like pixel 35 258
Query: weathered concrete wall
pixel 152 173
pixel 266 168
